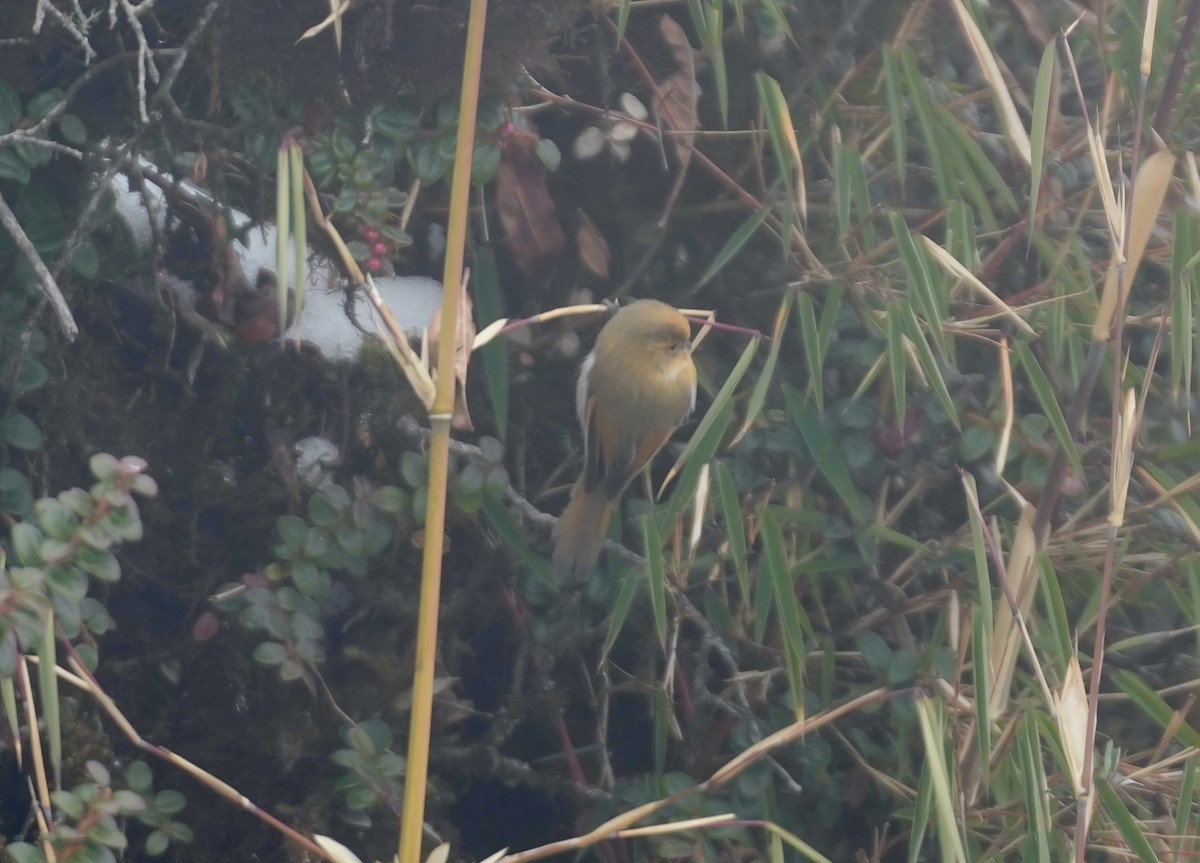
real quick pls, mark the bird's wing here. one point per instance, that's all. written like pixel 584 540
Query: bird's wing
pixel 613 458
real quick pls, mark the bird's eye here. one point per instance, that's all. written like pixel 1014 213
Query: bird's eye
pixel 679 347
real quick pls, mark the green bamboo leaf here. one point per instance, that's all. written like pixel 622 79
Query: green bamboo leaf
pixel 897 360
pixel 620 610
pixel 623 18
pixel 975 166
pixel 1182 333
pixel 489 306
pixel 861 196
pixel 811 341
pixel 283 228
pixel 656 571
pixel 983 577
pixel 703 448
pixel 934 733
pixel 1153 706
pixel 961 241
pixel 1047 72
pixel 824 451
pixel 842 187
pixel 735 530
pixel 896 114
pixel 716 55
pixel 920 282
pixel 1049 404
pixel 1029 751
pixel 1183 807
pixel 1126 824
pixel 508 529
pixel 919 98
pixel 792 619
pixel 707 437
pixel 921 815
pixel 766 377
pixel 929 363
pixel 1056 616
pixel 775 113
pixel 734 244
pixel 829 315
pixel 982 681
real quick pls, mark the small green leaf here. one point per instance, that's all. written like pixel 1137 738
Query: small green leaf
pixel 548 154
pixel 86 260
pixel 169 802
pixel 18 430
pixel 73 129
pixel 485 161
pixel 250 103
pixel 13 167
pixel 139 777
pixel 156 843
pixel 270 653
pixel 43 103
pixel 10 110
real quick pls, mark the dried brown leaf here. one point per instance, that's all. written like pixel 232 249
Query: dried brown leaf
pixel 679 93
pixel 526 208
pixel 593 248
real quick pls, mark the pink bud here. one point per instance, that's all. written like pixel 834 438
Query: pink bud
pixel 373 265
pixel 380 249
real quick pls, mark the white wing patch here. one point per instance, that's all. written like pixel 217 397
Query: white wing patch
pixel 581 388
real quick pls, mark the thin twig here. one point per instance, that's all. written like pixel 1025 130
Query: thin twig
pixel 66 322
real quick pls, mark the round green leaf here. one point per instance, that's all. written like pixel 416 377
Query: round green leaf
pixel 10 112
pixel 270 653
pixel 13 167
pixel 41 104
pixel 86 260
pixel 548 154
pixel 18 430
pixel 156 843
pixel 139 777
pixel 399 123
pixel 169 802
pixel 72 129
pixel 485 161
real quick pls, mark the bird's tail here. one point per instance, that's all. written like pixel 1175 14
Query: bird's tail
pixel 580 533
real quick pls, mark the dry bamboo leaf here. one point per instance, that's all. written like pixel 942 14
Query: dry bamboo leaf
pixel 1071 711
pixel 1153 179
pixel 336 850
pixel 1006 633
pixel 1009 407
pixel 464 340
pixel 489 333
pixel 593 248
pixel 1123 442
pixel 334 19
pixel 1014 129
pixel 956 268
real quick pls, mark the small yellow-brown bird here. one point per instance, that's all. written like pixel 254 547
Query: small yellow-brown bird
pixel 635 388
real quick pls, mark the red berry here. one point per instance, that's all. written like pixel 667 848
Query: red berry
pixel 373 265
pixel 370 235
pixel 380 249
pixel 507 130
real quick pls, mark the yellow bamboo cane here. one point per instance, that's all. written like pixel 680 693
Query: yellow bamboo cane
pixel 413 813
